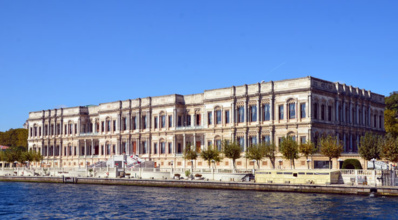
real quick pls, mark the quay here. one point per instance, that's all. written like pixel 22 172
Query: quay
pixel 210 184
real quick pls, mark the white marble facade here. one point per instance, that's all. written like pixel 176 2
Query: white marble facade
pixel 160 128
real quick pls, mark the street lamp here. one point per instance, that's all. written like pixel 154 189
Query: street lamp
pixel 280 163
pixel 254 161
pixel 373 160
pixel 308 163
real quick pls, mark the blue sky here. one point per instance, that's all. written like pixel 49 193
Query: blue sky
pixel 69 53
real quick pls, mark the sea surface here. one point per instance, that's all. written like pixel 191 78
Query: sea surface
pixel 69 201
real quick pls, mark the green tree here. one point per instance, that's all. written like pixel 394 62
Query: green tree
pixel 289 149
pixel 307 149
pixel 210 154
pixel 389 146
pixel 190 154
pixel 270 152
pixel 331 148
pixel 14 138
pixel 256 152
pixel 370 147
pixel 37 157
pixel 391 114
pixel 231 150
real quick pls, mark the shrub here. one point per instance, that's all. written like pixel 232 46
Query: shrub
pixel 187 173
pixel 351 164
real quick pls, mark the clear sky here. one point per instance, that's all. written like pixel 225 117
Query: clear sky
pixel 69 53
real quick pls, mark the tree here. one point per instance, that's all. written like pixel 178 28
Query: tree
pixel 331 148
pixel 190 154
pixel 289 149
pixel 369 147
pixel 37 157
pixel 210 154
pixel 256 152
pixel 231 150
pixel 15 138
pixel 270 152
pixel 307 149
pixel 391 114
pixel 390 148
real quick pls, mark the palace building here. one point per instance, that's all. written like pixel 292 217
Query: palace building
pixel 160 128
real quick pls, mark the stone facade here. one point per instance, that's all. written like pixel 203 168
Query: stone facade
pixel 160 128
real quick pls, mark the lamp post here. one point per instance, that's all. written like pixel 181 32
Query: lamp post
pixel 308 163
pixel 280 163
pixel 191 169
pixel 374 170
pixel 373 160
pixel 214 165
pixel 254 161
pixel 172 166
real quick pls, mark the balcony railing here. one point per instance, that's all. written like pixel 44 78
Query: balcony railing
pixel 189 127
pixel 89 134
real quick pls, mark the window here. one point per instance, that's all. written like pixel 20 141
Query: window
pixel 144 122
pixel 241 114
pixel 124 124
pixel 155 122
pixel 266 139
pixel 144 148
pixel 179 148
pixel 302 110
pixel 292 111
pixel 114 125
pixel 209 118
pixel 134 123
pixel 188 120
pixel 218 144
pixel 198 120
pixel 303 139
pixel 108 125
pixel 315 111
pixel 354 118
pixel 170 148
pixel 163 121
pixel 227 117
pixel 218 117
pixel 253 140
pixel 209 143
pixel 179 121
pixel 323 112
pixel 267 113
pixel 380 120
pixel 329 113
pixel 155 148
pixel 162 148
pixel 253 113
pixel 241 142
pixel 280 112
pixel 170 121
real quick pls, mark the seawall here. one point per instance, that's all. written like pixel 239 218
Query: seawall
pixel 301 188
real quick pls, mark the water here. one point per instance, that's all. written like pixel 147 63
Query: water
pixel 66 201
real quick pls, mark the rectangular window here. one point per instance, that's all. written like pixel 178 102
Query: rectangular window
pixel 253 113
pixel 227 117
pixel 114 125
pixel 209 118
pixel 303 139
pixel 144 148
pixel 163 121
pixel 108 125
pixel 253 140
pixel 162 148
pixel 179 121
pixel 218 117
pixel 188 120
pixel 198 120
pixel 292 111
pixel 280 112
pixel 241 142
pixel 170 121
pixel 315 111
pixel 144 122
pixel 155 148
pixel 218 144
pixel 179 148
pixel 241 114
pixel 302 110
pixel 170 148
pixel 322 112
pixel 329 113
pixel 124 124
pixel 267 113
pixel 155 121
pixel 266 139
pixel 133 120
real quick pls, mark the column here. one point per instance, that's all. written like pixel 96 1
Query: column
pixel 233 119
pixel 271 111
pixel 344 112
pixel 78 126
pixel 92 147
pixel 258 111
pixel 128 147
pixel 128 121
pixel 245 113
pixel 345 143
pixel 175 118
pixel 309 108
pixel 118 123
pixel 337 110
pixel 85 148
pixel 183 143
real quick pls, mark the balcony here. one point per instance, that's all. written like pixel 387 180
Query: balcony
pixel 189 128
pixel 89 134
